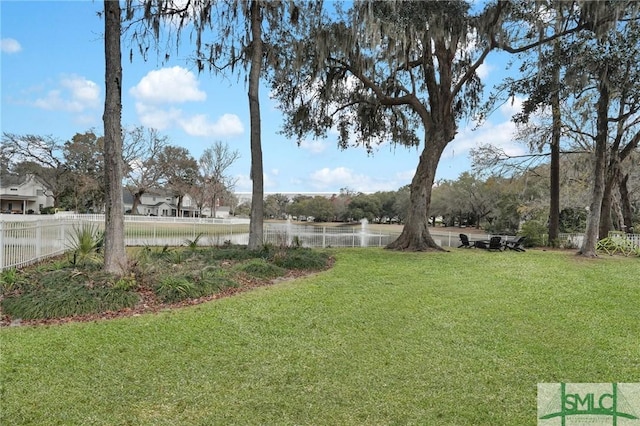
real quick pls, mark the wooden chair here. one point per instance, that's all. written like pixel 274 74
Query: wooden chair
pixel 464 240
pixel 495 243
pixel 517 245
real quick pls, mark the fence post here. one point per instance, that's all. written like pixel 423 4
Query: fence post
pixel 62 233
pixel 324 236
pixel 1 246
pixel 38 239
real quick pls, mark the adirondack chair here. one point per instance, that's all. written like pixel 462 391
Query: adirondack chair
pixel 495 243
pixel 464 240
pixel 517 245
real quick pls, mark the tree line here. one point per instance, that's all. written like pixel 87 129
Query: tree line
pixel 496 203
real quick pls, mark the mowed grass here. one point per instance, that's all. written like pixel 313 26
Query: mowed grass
pixel 384 338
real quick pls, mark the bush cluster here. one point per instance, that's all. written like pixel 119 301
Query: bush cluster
pixel 76 285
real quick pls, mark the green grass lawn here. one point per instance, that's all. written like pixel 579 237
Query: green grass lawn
pixel 384 338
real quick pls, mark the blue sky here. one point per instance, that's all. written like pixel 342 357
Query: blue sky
pixel 52 83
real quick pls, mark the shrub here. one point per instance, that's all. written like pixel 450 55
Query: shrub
pixel 535 232
pixel 260 268
pixel 175 289
pixel 67 293
pixel 231 253
pixel 573 220
pixel 85 244
pixel 9 280
pixel 300 258
pixel 211 280
pixel 203 283
pixel 193 244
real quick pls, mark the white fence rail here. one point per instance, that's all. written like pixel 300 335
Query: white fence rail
pixel 29 241
pixel 24 242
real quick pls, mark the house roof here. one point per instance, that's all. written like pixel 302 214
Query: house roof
pixel 7 180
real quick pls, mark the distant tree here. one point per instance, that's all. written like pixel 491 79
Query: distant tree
pixel 320 208
pixel 83 156
pixel 180 172
pixel 41 156
pixel 341 203
pixel 387 201
pixel 401 204
pixel 243 209
pixel 276 205
pixel 299 206
pixel 364 206
pixel 5 160
pixel 143 171
pixel 215 180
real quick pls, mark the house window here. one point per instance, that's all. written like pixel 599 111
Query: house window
pixel 39 192
pixel 14 189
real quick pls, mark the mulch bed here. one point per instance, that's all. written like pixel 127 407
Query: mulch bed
pixel 149 303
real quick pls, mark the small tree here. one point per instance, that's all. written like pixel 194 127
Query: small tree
pixel 179 171
pixel 214 164
pixel 143 171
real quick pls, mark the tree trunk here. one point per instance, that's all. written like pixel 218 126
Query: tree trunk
pixel 415 234
pixel 611 181
pixel 600 160
pixel 136 202
pixel 556 128
pixel 179 206
pixel 554 172
pixel 115 256
pixel 257 196
pixel 627 211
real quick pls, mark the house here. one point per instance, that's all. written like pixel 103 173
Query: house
pixel 157 202
pixel 23 195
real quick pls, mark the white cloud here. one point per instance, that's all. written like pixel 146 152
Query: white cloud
pixel 75 94
pixel 157 118
pixel 173 86
pixel 199 125
pixel 483 70
pixel 511 107
pixel 327 179
pixel 168 85
pixel 244 183
pixel 314 146
pixel 499 135
pixel 9 45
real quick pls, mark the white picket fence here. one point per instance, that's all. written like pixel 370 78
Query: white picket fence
pixel 24 242
pixel 27 239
